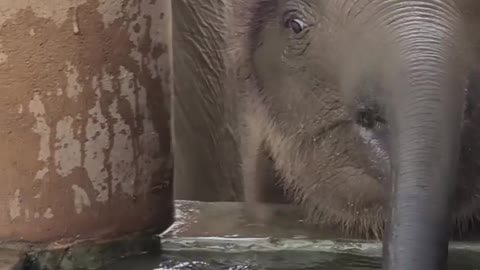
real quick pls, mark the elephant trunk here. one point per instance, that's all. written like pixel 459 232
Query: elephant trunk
pixel 425 121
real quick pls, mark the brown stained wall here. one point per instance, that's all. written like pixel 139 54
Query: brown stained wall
pixel 84 137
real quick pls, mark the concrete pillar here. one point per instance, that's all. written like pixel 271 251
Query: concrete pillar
pixel 84 118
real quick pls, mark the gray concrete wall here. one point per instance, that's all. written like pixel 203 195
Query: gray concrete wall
pixel 84 118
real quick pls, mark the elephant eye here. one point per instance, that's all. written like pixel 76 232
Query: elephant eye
pixel 296 25
pixel 369 117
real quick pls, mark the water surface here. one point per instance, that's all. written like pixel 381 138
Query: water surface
pixel 203 232
pixel 288 260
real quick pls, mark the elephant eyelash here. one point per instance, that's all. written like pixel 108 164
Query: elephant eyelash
pixel 296 25
pixel 292 14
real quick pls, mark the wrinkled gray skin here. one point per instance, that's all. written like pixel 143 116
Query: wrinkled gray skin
pixel 204 145
pixel 367 114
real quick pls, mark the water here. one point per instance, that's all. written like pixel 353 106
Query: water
pixel 204 231
pixel 288 260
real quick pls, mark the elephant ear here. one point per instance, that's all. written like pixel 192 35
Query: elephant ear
pixel 206 158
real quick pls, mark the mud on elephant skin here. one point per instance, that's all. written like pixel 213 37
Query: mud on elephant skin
pixel 365 108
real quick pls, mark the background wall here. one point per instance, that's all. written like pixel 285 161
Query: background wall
pixel 84 122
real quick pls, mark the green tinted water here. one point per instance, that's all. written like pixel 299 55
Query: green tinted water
pixel 203 231
pixel 280 260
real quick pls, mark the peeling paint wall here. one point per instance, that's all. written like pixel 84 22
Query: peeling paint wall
pixel 84 117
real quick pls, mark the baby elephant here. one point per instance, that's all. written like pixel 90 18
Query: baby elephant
pixel 367 112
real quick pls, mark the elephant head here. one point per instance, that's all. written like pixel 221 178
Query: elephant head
pixel 364 104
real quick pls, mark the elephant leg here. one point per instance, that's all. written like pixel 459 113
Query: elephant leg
pixel 259 178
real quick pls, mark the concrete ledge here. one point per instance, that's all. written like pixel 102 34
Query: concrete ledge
pixel 230 219
pixel 225 227
pixel 86 254
pixel 239 245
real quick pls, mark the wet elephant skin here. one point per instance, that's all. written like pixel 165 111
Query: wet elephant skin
pixel 364 112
